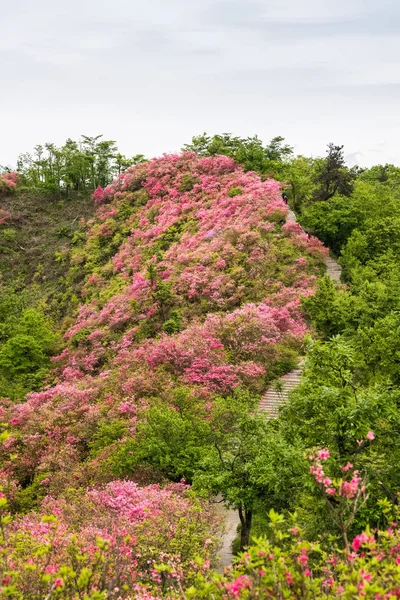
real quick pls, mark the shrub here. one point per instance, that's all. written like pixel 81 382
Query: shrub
pixel 234 191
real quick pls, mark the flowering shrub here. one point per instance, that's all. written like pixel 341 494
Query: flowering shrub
pixel 344 496
pixel 8 182
pixel 123 541
pixel 291 567
pixel 108 541
pixel 286 565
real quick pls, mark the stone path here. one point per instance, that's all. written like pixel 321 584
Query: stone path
pixel 231 528
pixel 273 398
pixel 277 395
pixel 333 269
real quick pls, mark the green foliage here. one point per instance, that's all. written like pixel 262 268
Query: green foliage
pixel 106 434
pixel 187 182
pixel 249 152
pixel 233 452
pixel 174 323
pixel 330 311
pixel 339 401
pixel 332 175
pixel 75 166
pixel 334 221
pixel 234 191
pixel 27 341
pixel 299 174
pixel 171 439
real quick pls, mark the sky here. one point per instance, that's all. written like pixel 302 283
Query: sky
pixel 150 74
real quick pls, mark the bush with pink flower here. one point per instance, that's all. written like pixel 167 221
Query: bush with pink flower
pixel 112 540
pixel 185 284
pixel 8 182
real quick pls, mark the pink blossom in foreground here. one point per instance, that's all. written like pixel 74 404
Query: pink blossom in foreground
pixel 323 454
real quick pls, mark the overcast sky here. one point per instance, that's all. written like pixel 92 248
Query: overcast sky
pixel 150 74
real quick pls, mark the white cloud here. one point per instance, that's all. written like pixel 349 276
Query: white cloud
pixel 152 74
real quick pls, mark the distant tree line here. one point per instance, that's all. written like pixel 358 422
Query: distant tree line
pixel 308 180
pixel 82 166
pixel 78 166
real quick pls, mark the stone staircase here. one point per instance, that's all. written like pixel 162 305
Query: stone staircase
pixel 333 269
pixel 232 523
pixel 277 395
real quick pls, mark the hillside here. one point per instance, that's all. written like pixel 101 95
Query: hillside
pixel 191 280
pixel 137 338
pixel 192 291
pixel 36 231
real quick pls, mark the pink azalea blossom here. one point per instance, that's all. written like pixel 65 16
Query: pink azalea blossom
pixel 323 454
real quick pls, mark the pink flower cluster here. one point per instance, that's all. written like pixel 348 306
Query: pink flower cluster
pixel 235 588
pixel 136 528
pixel 350 488
pixel 8 180
pixel 301 240
pixel 189 296
pixel 362 538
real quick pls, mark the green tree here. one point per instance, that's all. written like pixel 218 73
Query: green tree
pixel 27 341
pixel 233 451
pixel 248 463
pixel 337 406
pixel 298 174
pixel 169 438
pixel 78 166
pixel 250 152
pixel 332 176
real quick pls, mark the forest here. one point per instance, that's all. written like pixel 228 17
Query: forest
pixel 146 305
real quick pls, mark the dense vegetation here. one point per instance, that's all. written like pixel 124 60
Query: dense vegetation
pixel 73 167
pixel 171 305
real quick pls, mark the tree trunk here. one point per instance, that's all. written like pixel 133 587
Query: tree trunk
pixel 246 517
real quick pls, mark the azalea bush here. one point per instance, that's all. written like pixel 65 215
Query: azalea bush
pixel 289 566
pixel 108 542
pixel 8 182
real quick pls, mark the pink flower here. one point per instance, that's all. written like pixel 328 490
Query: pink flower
pixel 307 573
pixel 303 558
pixel 323 454
pixel 330 491
pixel 362 538
pixel 370 435
pixel 347 467
pixel 289 578
pixel 58 583
pixel 240 583
pixel 366 576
